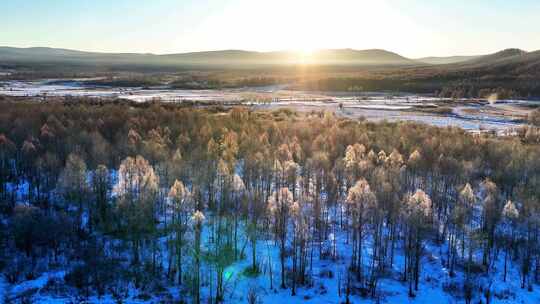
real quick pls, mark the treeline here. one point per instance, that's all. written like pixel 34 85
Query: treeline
pixel 431 85
pixel 129 81
pixel 127 195
pixel 223 82
pixel 185 81
pixel 444 81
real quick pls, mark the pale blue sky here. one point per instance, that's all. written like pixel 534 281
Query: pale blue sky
pixel 413 28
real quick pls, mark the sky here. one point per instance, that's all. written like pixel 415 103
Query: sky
pixel 412 28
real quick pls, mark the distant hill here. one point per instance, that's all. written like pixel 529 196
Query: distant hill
pixel 54 55
pixel 446 60
pixel 498 57
pixel 350 56
pixel 225 57
pixel 479 60
pixel 504 64
pixel 508 73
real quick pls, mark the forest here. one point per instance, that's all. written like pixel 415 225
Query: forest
pixel 121 201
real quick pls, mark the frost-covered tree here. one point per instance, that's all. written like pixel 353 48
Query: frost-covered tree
pixel 464 216
pixel 491 215
pixel 279 204
pixel 100 189
pixel 320 167
pixel 182 208
pixel 156 143
pixel 241 164
pixel 510 216
pixel 136 191
pixel 362 201
pixel 354 155
pixel 238 191
pixel 73 183
pixel 458 222
pixel 197 220
pixel 414 165
pixel 299 244
pixel 7 152
pixel 417 214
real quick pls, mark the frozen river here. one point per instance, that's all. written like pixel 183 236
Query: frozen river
pixel 471 115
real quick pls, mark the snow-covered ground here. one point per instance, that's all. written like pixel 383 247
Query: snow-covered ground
pixel 434 277
pixel 327 275
pixel 3 288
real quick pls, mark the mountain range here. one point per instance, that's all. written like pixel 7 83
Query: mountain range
pixel 349 57
pixel 225 57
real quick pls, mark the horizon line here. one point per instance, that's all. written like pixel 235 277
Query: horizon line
pixel 249 50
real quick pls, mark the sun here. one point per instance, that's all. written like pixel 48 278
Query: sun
pixel 305 54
